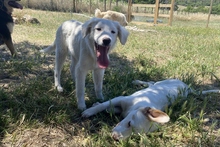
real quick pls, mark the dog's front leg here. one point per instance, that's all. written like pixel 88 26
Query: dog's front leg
pixel 98 75
pixel 80 75
pixel 111 104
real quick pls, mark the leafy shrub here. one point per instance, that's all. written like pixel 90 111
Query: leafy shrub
pixel 216 9
pixel 201 9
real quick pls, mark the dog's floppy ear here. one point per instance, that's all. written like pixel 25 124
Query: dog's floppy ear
pixel 122 34
pixel 87 26
pixel 155 115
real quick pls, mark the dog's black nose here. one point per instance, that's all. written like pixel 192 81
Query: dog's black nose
pixel 106 41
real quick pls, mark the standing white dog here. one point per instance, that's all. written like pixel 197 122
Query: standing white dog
pixel 112 15
pixel 143 109
pixel 89 45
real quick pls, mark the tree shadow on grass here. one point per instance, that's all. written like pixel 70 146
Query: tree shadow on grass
pixel 27 87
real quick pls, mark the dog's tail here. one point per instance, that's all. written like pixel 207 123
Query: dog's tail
pixel 210 91
pixel 98 13
pixel 203 92
pixel 49 49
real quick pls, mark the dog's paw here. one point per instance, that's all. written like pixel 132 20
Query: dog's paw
pixel 59 89
pixel 87 113
pixel 82 107
pixel 99 95
pixel 95 104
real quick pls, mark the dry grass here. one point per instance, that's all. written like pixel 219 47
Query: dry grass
pixel 194 17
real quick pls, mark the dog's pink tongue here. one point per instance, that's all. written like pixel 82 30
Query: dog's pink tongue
pixel 15 5
pixel 102 57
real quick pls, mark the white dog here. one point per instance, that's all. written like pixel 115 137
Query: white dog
pixel 142 111
pixel 112 15
pixel 89 45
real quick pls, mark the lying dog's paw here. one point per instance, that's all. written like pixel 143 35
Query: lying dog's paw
pixel 95 104
pixel 87 113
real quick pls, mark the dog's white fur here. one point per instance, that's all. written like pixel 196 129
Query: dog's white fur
pixel 112 15
pixel 142 111
pixel 84 42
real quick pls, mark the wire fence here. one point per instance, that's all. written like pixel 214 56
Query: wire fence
pixel 77 6
pixel 88 7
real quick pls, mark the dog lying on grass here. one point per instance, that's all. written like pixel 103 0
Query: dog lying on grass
pixel 112 15
pixel 7 24
pixel 142 111
pixel 89 45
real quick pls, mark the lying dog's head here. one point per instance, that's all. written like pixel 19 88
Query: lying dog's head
pixel 139 121
pixel 8 5
pixel 104 34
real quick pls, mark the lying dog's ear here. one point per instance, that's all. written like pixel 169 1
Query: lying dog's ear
pixel 155 115
pixel 87 26
pixel 122 34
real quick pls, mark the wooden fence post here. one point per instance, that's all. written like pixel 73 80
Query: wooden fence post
pixel 28 3
pixel 171 13
pixel 104 5
pixel 156 11
pixel 129 10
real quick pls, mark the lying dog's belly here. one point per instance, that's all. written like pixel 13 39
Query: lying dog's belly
pixel 160 94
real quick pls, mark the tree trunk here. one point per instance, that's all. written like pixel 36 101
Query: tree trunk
pixel 110 5
pixel 74 6
pixel 210 11
pixel 116 3
pixel 104 5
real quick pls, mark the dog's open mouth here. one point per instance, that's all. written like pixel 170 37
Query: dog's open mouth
pixel 14 4
pixel 102 55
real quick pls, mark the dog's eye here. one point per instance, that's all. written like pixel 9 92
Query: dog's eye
pixel 113 32
pixel 129 124
pixel 98 29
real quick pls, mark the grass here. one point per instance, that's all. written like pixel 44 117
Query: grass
pixel 32 113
